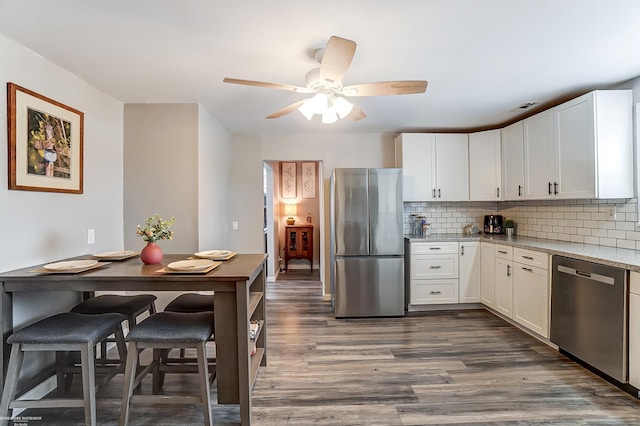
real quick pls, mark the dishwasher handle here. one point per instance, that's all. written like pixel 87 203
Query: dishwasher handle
pixel 586 275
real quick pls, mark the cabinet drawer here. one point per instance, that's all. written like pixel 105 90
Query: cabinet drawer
pixel 531 258
pixel 504 252
pixel 428 267
pixel 434 291
pixel 435 248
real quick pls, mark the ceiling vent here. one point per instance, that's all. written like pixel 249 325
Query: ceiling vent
pixel 526 105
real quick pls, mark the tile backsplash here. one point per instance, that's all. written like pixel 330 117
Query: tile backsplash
pixel 579 221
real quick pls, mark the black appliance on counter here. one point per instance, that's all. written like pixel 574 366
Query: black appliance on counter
pixel 493 224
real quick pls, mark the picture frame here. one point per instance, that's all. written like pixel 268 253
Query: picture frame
pixel 308 180
pixel 288 173
pixel 45 143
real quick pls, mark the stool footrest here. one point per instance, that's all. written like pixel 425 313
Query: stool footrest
pixel 166 399
pixel 47 403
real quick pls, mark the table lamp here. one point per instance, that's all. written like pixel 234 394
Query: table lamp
pixel 290 210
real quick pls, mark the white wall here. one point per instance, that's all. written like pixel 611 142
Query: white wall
pixel 334 150
pixel 41 227
pixel 161 172
pixel 214 162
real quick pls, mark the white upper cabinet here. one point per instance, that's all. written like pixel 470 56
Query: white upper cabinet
pixel 435 167
pixel 415 155
pixel 581 149
pixel 513 162
pixel 485 177
pixel 539 154
pixel 452 167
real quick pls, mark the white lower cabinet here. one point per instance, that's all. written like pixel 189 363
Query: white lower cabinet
pixel 469 272
pixel 531 303
pixel 487 275
pixel 634 329
pixel 433 273
pixel 504 279
pixel 444 273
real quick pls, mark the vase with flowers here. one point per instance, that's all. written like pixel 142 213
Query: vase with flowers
pixel 155 229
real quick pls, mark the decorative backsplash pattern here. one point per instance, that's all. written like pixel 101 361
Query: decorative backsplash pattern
pixel 579 221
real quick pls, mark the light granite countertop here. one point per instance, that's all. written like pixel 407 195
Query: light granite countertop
pixel 618 257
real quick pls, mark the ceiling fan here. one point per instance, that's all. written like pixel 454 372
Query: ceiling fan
pixel 325 83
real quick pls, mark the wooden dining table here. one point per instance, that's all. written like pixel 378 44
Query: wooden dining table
pixel 239 286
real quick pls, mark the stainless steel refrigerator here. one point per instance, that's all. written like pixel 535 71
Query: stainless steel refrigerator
pixel 367 243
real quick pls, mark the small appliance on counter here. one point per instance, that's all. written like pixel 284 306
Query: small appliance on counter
pixel 493 224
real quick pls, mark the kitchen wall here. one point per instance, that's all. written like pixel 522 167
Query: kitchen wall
pixel 39 227
pixel 578 221
pixel 333 149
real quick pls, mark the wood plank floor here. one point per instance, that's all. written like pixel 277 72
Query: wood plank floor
pixel 465 367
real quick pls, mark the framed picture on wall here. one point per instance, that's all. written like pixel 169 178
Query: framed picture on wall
pixel 45 143
pixel 288 180
pixel 308 180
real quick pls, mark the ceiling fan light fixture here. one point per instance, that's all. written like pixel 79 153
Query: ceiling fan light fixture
pixel 329 116
pixel 342 106
pixel 307 109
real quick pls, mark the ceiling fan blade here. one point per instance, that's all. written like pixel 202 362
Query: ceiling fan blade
pixel 286 110
pixel 336 58
pixel 280 86
pixel 357 114
pixel 384 88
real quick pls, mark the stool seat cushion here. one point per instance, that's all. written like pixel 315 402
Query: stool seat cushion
pixel 126 305
pixel 191 302
pixel 69 328
pixel 174 327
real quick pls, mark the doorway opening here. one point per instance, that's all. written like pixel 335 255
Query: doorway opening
pixel 298 188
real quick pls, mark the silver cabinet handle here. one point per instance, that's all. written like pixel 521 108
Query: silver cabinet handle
pixel 461 250
pixel 508 270
pixel 435 248
pixel 527 269
pixel 435 292
pixel 502 252
pixel 434 193
pixel 435 267
pixel 439 194
pixel 527 257
pixel 519 190
pixel 498 192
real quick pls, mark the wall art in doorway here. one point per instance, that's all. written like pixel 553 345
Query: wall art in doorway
pixel 308 180
pixel 45 143
pixel 288 180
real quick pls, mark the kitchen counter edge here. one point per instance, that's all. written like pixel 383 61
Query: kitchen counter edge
pixel 613 256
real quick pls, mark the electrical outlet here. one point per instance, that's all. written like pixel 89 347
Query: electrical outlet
pixel 91 236
pixel 234 225
pixel 611 212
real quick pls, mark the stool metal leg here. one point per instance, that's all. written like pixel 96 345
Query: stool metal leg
pixel 11 384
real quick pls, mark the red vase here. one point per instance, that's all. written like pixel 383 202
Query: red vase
pixel 151 254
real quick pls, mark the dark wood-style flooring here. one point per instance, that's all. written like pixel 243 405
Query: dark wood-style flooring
pixel 464 367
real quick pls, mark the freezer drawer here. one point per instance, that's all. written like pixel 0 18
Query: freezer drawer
pixel 369 286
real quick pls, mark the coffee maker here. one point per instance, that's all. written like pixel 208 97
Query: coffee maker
pixel 493 224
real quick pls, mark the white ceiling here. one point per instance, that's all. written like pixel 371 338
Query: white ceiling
pixel 482 58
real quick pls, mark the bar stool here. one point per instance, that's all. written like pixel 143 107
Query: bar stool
pixel 129 306
pixel 162 331
pixel 189 303
pixel 63 332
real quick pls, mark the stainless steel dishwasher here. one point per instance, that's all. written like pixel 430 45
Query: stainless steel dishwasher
pixel 589 314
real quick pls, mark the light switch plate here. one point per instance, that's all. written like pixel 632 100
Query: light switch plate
pixel 91 236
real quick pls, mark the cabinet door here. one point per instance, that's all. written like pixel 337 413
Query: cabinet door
pixel 415 154
pixel 485 178
pixel 634 329
pixel 452 167
pixel 487 274
pixel 539 154
pixel 504 286
pixel 469 273
pixel 576 148
pixel 513 162
pixel 531 298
